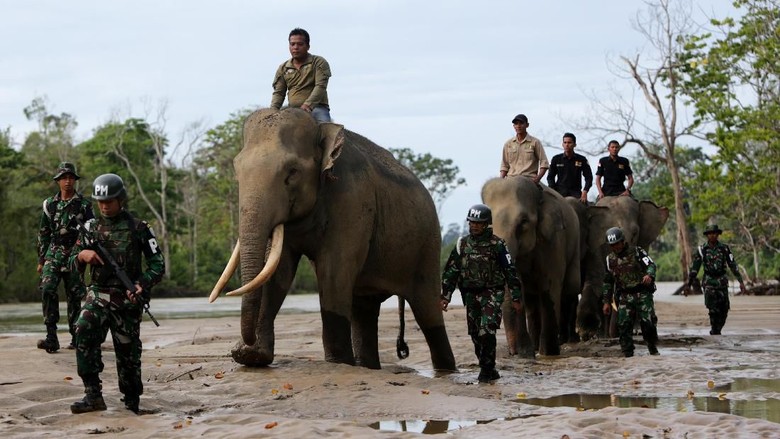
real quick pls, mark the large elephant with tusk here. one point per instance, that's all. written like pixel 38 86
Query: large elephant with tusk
pixel 367 223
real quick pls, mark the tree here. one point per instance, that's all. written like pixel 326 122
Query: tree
pixel 659 84
pixel 439 176
pixel 734 82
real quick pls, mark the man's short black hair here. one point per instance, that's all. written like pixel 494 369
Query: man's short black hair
pixel 615 142
pixel 301 32
pixel 571 136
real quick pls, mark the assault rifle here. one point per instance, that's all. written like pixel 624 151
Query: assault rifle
pixel 98 248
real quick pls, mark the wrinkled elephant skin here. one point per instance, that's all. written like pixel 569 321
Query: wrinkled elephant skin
pixel 542 233
pixel 366 222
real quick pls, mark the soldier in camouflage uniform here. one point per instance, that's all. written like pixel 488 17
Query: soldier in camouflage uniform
pixel 480 266
pixel 109 305
pixel 630 276
pixel 56 237
pixel 715 256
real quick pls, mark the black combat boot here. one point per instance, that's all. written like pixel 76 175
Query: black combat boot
pixel 93 398
pixel 487 359
pixel 132 402
pixel 50 344
pixel 652 349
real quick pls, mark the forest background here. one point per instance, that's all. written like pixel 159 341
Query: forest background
pixel 722 165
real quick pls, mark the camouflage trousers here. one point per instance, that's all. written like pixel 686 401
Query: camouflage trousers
pixel 483 318
pixel 631 307
pixel 483 311
pixel 74 294
pixel 716 299
pixel 104 311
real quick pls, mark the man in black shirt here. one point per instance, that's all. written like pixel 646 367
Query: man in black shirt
pixel 615 170
pixel 567 169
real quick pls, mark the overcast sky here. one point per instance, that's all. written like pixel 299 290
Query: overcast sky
pixel 444 77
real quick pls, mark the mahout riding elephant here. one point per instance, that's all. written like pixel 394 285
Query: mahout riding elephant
pixel 641 222
pixel 366 222
pixel 542 233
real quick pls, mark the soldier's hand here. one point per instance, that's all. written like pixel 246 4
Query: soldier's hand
pixel 605 309
pixel 89 257
pixel 647 279
pixel 134 295
pixel 517 306
pixel 40 268
pixel 444 304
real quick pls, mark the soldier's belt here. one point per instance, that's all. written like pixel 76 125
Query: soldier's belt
pixel 715 273
pixel 633 290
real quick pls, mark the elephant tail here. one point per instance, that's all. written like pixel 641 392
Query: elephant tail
pixel 401 348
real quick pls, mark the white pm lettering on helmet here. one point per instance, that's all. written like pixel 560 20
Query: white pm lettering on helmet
pixel 101 189
pixel 612 237
pixel 475 213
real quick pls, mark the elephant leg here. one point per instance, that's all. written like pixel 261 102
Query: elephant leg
pixel 336 297
pixel 365 315
pixel 568 320
pixel 516 330
pixel 533 319
pixel 426 308
pixel 549 326
pixel 271 297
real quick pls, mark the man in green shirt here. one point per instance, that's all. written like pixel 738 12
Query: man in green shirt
pixel 304 78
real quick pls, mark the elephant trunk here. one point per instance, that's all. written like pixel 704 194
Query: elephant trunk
pixel 255 245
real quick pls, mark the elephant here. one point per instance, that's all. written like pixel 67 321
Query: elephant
pixel 366 222
pixel 641 222
pixel 542 233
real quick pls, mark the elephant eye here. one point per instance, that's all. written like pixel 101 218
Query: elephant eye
pixel 290 175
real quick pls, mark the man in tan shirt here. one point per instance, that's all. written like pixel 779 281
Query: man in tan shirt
pixel 523 154
pixel 304 78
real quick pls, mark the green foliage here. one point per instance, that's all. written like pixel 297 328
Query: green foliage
pixel 734 83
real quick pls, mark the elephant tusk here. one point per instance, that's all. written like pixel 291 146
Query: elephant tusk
pixel 230 268
pixel 274 255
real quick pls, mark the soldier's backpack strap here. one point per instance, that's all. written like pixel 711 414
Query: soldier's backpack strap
pixel 701 251
pixel 461 245
pixel 49 208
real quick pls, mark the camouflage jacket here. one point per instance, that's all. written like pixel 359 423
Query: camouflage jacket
pixel 480 263
pixel 715 260
pixel 126 239
pixel 57 232
pixel 625 271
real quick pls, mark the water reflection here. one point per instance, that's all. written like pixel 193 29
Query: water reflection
pixel 425 426
pixel 768 409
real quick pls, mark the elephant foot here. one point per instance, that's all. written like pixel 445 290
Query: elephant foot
pixel 251 356
pixel 345 359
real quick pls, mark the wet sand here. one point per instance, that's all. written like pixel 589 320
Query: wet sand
pixel 193 387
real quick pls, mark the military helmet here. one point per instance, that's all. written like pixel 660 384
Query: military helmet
pixel 66 168
pixel 108 187
pixel 479 213
pixel 615 235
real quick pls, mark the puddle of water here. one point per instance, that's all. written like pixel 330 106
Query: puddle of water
pixel 768 409
pixel 761 385
pixel 427 426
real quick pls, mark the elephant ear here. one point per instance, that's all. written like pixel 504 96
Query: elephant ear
pixel 331 141
pixel 651 221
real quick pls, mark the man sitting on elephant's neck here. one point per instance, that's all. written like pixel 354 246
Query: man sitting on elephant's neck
pixel 615 170
pixel 523 154
pixel 304 78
